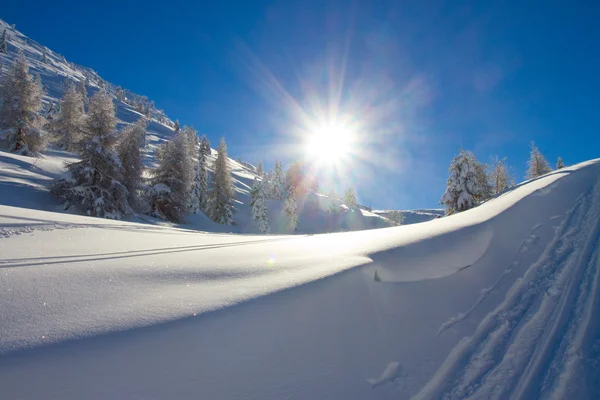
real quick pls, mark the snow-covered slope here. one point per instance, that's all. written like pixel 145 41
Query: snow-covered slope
pixel 497 302
pixel 31 176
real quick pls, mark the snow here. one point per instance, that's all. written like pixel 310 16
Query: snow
pixel 159 311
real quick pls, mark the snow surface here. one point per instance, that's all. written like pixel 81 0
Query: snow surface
pixel 495 302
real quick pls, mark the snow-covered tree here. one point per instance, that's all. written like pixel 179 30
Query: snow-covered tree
pixel 3 44
pixel 258 204
pixel 20 103
pixel 277 182
pixel 537 164
pixel 96 182
pixel 44 57
pixel 68 124
pixel 260 171
pixel 486 191
pixel 350 198
pixel 290 209
pixel 499 176
pixel 396 217
pixel 168 193
pixel 203 153
pixel 560 163
pixel 176 126
pixel 82 90
pixel 463 187
pixel 191 137
pixel 129 151
pixel 221 195
pixel 119 93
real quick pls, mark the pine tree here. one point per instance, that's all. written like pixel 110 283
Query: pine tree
pixel 463 187
pixel 260 171
pixel 290 209
pixel 3 44
pixel 559 163
pixel 176 126
pixel 68 124
pixel 191 137
pixel 484 181
pixel 499 176
pixel 277 183
pixel 222 194
pixel 96 180
pixel 168 194
pixel 82 90
pixel 119 93
pixel 537 164
pixel 130 154
pixel 21 96
pixel 258 204
pixel 350 198
pixel 203 153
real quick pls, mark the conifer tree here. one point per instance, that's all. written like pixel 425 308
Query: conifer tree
pixel 499 176
pixel 203 153
pixel 96 180
pixel 82 90
pixel 277 183
pixel 21 101
pixel 168 195
pixel 258 204
pixel 290 209
pixel 221 207
pixel 537 164
pixel 68 124
pixel 350 198
pixel 176 126
pixel 260 171
pixel 3 43
pixel 130 154
pixel 191 137
pixel 560 163
pixel 486 191
pixel 463 186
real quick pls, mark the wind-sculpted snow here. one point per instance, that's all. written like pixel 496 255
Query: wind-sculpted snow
pixel 496 302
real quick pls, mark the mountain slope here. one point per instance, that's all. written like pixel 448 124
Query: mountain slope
pixel 500 301
pixel 56 70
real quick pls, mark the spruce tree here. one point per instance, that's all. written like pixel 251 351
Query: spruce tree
pixel 21 101
pixel 350 198
pixel 260 171
pixel 3 43
pixel 499 176
pixel 191 137
pixel 129 150
pixel 203 153
pixel 68 124
pixel 258 204
pixel 221 207
pixel 277 183
pixel 168 194
pixel 537 164
pixel 484 181
pixel 290 209
pixel 176 126
pixel 82 90
pixel 96 181
pixel 559 163
pixel 463 187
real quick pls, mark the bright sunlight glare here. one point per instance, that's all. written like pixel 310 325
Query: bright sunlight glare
pixel 329 143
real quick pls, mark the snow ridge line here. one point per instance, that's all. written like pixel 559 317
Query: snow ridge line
pixel 477 363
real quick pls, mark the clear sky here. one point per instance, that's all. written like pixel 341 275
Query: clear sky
pixel 417 80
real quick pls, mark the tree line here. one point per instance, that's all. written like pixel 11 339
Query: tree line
pixel 472 182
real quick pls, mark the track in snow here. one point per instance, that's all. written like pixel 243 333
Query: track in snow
pixel 530 345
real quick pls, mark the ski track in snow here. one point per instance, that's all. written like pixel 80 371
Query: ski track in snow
pixel 10 232
pixel 530 344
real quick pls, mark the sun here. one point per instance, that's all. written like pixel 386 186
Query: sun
pixel 330 143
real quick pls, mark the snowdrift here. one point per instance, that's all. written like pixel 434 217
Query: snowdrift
pixel 497 302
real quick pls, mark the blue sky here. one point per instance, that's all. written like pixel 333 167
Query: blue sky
pixel 419 79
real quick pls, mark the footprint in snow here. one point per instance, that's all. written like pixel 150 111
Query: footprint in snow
pixel 389 374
